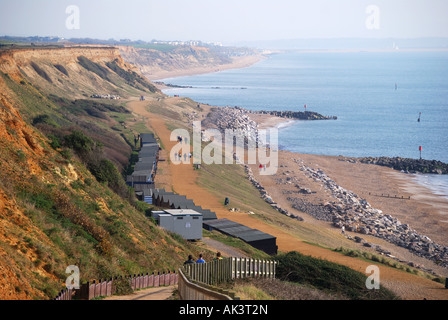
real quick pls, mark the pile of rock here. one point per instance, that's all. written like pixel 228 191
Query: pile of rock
pixel 298 115
pixel 266 197
pixel 105 96
pixel 404 164
pixel 233 118
pixel 191 117
pixel 355 214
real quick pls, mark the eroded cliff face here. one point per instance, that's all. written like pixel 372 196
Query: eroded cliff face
pixel 12 60
pixel 53 213
pixel 151 61
pixel 64 75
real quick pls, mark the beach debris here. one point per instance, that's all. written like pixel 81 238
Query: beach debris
pixel 406 165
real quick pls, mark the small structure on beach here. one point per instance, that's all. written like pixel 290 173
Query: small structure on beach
pixel 185 222
pixel 170 200
pixel 143 176
pixel 256 238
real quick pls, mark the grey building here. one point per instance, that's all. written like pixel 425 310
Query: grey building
pixel 256 238
pixel 185 222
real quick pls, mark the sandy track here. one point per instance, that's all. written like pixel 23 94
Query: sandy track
pixel 159 293
pixel 184 180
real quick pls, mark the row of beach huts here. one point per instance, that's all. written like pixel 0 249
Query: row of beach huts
pixel 180 214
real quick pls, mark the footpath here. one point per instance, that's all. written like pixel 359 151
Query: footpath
pixel 159 293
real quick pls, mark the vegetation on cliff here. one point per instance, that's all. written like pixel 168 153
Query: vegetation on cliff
pixel 61 158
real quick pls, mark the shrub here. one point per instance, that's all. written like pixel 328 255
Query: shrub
pixel 328 276
pixel 122 287
pixel 61 69
pixel 45 119
pixel 131 77
pixel 41 72
pixel 80 143
pixel 94 67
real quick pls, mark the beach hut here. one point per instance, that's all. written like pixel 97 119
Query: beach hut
pixel 256 238
pixel 187 223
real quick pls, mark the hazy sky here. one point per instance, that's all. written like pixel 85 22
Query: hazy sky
pixel 226 20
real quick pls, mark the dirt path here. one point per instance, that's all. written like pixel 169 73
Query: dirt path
pixel 184 181
pixel 159 293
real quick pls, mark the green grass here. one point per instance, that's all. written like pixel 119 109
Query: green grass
pixel 329 277
pixel 236 243
pixel 386 262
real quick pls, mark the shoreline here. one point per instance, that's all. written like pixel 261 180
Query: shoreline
pixel 237 63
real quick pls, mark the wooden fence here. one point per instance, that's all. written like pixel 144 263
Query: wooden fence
pixel 219 271
pixel 192 290
pixel 107 287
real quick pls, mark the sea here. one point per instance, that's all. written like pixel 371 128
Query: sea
pixel 378 98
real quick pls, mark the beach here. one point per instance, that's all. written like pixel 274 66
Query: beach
pixel 237 63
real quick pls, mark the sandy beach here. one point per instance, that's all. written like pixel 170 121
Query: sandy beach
pixel 237 63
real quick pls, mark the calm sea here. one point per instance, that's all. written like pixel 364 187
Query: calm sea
pixel 377 97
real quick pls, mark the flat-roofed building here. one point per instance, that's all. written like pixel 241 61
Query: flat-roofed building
pixel 185 222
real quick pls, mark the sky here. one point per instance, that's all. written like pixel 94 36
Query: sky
pixel 226 21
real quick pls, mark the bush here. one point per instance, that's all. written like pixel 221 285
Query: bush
pixel 328 276
pixel 61 69
pixel 45 119
pixel 131 77
pixel 105 171
pixel 80 143
pixel 122 287
pixel 41 72
pixel 94 67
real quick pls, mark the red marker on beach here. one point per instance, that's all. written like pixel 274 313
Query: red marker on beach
pixel 420 149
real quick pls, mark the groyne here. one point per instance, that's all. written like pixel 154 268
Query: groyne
pixel 298 115
pixel 404 164
pixel 238 119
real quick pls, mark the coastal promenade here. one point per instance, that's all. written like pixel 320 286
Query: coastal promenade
pixel 183 179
